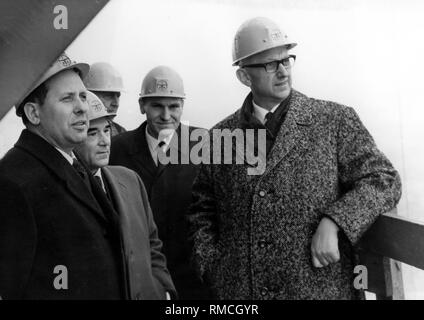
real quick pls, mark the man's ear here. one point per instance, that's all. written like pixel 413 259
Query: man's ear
pixel 243 77
pixel 141 104
pixel 31 110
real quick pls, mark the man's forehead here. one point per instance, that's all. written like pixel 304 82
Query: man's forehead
pixel 99 123
pixel 267 55
pixel 165 101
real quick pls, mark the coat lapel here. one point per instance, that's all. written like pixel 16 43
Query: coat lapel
pixel 121 194
pixel 116 188
pixel 141 153
pixel 59 167
pixel 178 144
pixel 291 134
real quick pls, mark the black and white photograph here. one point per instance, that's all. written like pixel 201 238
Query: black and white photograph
pixel 208 151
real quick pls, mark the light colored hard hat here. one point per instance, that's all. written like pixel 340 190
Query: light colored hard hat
pixel 96 108
pixel 162 81
pixel 103 77
pixel 61 64
pixel 257 35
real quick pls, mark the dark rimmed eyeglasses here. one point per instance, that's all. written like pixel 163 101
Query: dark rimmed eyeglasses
pixel 272 66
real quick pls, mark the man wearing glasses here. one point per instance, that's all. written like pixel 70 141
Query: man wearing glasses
pixel 290 232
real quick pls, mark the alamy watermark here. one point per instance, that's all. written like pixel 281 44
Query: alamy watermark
pixel 249 148
pixel 60 21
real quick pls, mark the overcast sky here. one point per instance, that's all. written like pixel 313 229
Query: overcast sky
pixel 365 54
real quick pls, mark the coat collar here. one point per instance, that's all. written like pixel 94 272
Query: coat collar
pixel 299 109
pixel 291 134
pixel 58 166
pixel 299 114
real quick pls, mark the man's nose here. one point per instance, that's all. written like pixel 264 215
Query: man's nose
pixel 104 138
pixel 166 114
pixel 81 105
pixel 282 71
pixel 115 99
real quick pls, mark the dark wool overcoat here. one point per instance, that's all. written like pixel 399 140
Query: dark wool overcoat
pixel 169 191
pixel 252 233
pixel 49 218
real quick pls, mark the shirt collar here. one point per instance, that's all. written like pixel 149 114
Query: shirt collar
pixel 153 142
pixel 260 112
pixel 69 158
pixel 98 173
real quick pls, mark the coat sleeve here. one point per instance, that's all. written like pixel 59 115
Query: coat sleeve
pixel 159 269
pixel 370 184
pixel 17 240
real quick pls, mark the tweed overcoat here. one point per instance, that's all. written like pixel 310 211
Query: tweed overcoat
pixel 169 191
pixel 148 277
pixel 252 233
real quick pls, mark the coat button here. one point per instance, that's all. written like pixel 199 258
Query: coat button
pixel 262 193
pixel 262 243
pixel 264 291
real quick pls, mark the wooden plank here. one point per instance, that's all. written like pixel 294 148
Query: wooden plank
pixel 375 267
pixel 396 237
pixel 29 42
pixel 384 276
pixel 394 280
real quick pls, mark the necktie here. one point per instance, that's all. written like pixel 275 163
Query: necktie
pixel 100 182
pixel 81 171
pixel 268 117
pixel 162 149
pixel 161 145
pixel 271 124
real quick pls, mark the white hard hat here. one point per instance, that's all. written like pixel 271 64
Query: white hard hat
pixel 103 77
pixel 96 108
pixel 162 81
pixel 61 64
pixel 257 35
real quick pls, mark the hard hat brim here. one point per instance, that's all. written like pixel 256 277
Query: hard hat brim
pixel 110 117
pixel 155 95
pixel 105 90
pixel 287 45
pixel 83 68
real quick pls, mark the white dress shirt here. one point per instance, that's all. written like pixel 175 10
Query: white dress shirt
pixel 153 143
pixel 70 158
pixel 260 112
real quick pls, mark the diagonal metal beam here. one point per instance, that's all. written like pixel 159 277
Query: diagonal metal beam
pixel 29 42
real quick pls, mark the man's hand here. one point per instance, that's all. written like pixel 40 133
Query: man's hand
pixel 325 246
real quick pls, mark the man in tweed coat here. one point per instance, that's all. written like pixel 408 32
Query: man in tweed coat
pixel 290 232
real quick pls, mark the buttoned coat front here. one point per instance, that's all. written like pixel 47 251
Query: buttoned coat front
pixel 252 233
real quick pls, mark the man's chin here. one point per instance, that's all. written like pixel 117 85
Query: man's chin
pixel 102 162
pixel 79 138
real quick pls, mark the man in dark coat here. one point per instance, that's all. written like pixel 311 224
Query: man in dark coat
pixel 168 185
pixel 287 231
pixel 58 238
pixel 148 277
